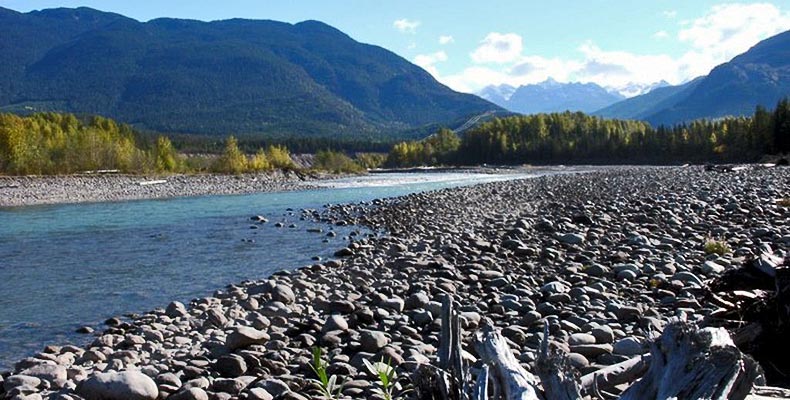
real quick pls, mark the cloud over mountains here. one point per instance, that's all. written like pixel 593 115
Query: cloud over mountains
pixel 725 31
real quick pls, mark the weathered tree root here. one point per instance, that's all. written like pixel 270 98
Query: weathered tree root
pixel 691 363
pixel 685 362
pixel 755 305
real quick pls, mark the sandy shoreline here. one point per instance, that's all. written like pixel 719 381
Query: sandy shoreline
pixel 603 259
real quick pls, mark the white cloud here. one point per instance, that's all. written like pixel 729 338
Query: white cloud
pixel 621 69
pixel 412 46
pixel 726 31
pixel 428 61
pixel 498 48
pixel 611 69
pixel 714 38
pixel 473 79
pixel 446 39
pixel 527 69
pixel 670 14
pixel 537 69
pixel 405 25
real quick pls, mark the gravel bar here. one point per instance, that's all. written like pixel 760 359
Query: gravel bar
pixel 604 258
pixel 33 190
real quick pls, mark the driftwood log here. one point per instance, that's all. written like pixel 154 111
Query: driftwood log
pixel 755 306
pixel 608 378
pixel 685 362
pixel 449 379
pixel 692 363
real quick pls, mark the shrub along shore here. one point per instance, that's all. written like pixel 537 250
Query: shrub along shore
pixel 59 144
pixel 603 259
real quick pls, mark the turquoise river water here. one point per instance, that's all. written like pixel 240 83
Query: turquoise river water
pixel 66 266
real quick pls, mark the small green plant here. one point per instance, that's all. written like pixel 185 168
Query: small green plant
pixel 719 247
pixel 325 384
pixel 654 283
pixel 386 376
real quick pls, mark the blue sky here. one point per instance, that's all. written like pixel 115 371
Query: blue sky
pixel 470 44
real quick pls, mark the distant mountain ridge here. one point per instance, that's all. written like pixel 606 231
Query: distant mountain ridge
pixel 760 76
pixel 636 89
pixel 642 107
pixel 550 96
pixel 221 77
pixel 497 94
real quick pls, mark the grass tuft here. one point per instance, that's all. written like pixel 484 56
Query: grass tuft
pixel 719 247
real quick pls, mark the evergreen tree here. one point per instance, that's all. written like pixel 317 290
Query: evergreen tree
pixel 781 126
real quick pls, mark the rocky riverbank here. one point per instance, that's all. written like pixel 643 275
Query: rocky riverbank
pixel 33 190
pixel 603 258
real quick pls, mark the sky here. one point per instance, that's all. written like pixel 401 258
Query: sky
pixel 469 44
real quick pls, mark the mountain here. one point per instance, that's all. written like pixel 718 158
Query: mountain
pixel 234 76
pixel 635 89
pixel 497 94
pixel 760 76
pixel 643 106
pixel 551 96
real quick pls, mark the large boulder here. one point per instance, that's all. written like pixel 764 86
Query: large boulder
pixel 190 394
pixel 231 366
pixel 244 336
pixel 126 385
pixel 335 323
pixel 176 309
pixel 54 374
pixel 372 341
pixel 283 294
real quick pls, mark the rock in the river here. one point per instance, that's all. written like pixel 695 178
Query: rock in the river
pixel 126 385
pixel 176 309
pixel 84 329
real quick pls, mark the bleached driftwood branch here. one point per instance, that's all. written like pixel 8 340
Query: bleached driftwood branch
pixel 512 380
pixel 691 363
pixel 685 362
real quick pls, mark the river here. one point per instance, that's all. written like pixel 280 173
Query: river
pixel 66 266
